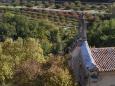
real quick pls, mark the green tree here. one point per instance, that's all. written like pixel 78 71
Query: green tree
pixel 102 34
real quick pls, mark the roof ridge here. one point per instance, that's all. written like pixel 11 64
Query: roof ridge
pixel 87 57
pixel 104 48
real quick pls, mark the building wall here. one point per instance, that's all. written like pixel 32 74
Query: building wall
pixel 104 79
pixel 74 61
pixel 78 67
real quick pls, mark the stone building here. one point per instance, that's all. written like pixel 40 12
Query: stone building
pixel 93 66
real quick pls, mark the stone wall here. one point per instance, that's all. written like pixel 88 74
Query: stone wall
pixel 78 67
pixel 104 79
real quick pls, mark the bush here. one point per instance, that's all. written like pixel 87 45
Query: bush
pixel 16 53
pixel 29 4
pixel 57 6
pixel 54 73
pixel 46 4
pixel 67 5
pixel 26 72
pixel 51 73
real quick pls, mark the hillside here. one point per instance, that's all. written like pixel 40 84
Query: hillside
pixel 35 41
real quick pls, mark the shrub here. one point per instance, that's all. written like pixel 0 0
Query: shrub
pixel 26 72
pixel 46 4
pixel 67 5
pixel 29 4
pixel 52 73
pixel 57 6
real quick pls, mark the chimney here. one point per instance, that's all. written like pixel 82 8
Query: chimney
pixel 82 28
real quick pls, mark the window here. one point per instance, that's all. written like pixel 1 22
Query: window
pixel 94 77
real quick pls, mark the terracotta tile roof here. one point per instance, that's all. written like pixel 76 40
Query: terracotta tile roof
pixel 104 58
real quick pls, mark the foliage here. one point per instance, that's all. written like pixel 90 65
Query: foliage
pixel 51 73
pixel 67 5
pixel 13 53
pixel 57 6
pixel 27 57
pixel 26 73
pixel 24 58
pixel 29 4
pixel 22 63
pixel 102 33
pixel 51 37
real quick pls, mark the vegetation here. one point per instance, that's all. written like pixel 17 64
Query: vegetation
pixel 22 63
pixel 74 5
pixel 102 33
pixel 32 48
pixel 29 52
pixel 58 38
pixel 52 38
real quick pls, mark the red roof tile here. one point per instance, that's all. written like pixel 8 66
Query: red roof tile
pixel 104 58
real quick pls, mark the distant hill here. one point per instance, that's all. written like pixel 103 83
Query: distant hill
pixel 82 0
pixel 105 1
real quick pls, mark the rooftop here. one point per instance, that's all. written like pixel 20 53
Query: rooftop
pixel 101 58
pixel 104 58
